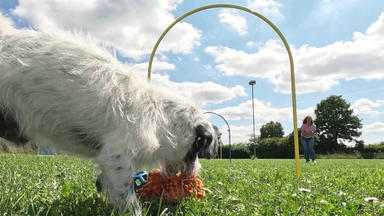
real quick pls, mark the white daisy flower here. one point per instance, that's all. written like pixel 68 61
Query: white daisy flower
pixel 305 190
pixel 371 199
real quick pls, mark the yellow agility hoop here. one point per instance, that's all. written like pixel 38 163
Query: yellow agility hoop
pixel 293 88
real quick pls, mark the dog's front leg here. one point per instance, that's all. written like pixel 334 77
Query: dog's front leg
pixel 116 180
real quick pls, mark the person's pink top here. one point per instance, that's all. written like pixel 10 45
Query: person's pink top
pixel 307 131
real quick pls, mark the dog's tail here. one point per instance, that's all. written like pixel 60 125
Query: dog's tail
pixel 6 24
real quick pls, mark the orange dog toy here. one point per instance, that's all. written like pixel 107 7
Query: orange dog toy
pixel 171 189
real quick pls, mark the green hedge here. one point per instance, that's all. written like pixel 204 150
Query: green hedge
pixel 239 150
pixel 284 148
pixel 275 148
pixel 373 148
pixel 266 148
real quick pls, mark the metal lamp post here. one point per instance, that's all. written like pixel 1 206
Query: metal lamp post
pixel 252 83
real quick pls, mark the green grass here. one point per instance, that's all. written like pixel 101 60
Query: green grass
pixel 63 185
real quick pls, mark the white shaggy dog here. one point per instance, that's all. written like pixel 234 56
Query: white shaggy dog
pixel 61 90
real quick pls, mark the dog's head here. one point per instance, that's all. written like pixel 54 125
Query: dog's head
pixel 202 141
pixel 204 144
pixel 186 134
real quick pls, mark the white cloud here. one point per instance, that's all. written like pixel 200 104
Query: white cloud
pixel 157 65
pixel 264 64
pixel 207 67
pixel 266 8
pixel 239 23
pixel 236 21
pixel 316 68
pixel 130 26
pixel 251 44
pixel 367 107
pixel 377 28
pixel 202 92
pixel 330 8
pixel 376 127
pixel 264 112
pixel 240 133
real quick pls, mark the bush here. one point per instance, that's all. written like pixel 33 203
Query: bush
pixel 238 150
pixel 380 155
pixel 368 155
pixel 355 155
pixel 374 148
pixel 275 148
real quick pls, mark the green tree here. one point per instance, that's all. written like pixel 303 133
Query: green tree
pixel 336 122
pixel 271 129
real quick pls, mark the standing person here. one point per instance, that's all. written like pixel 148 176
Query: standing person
pixel 307 138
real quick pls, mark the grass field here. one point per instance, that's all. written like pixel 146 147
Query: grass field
pixel 63 185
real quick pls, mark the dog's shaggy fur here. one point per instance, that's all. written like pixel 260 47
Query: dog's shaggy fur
pixel 62 90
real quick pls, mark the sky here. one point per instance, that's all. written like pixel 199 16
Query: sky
pixel 210 57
